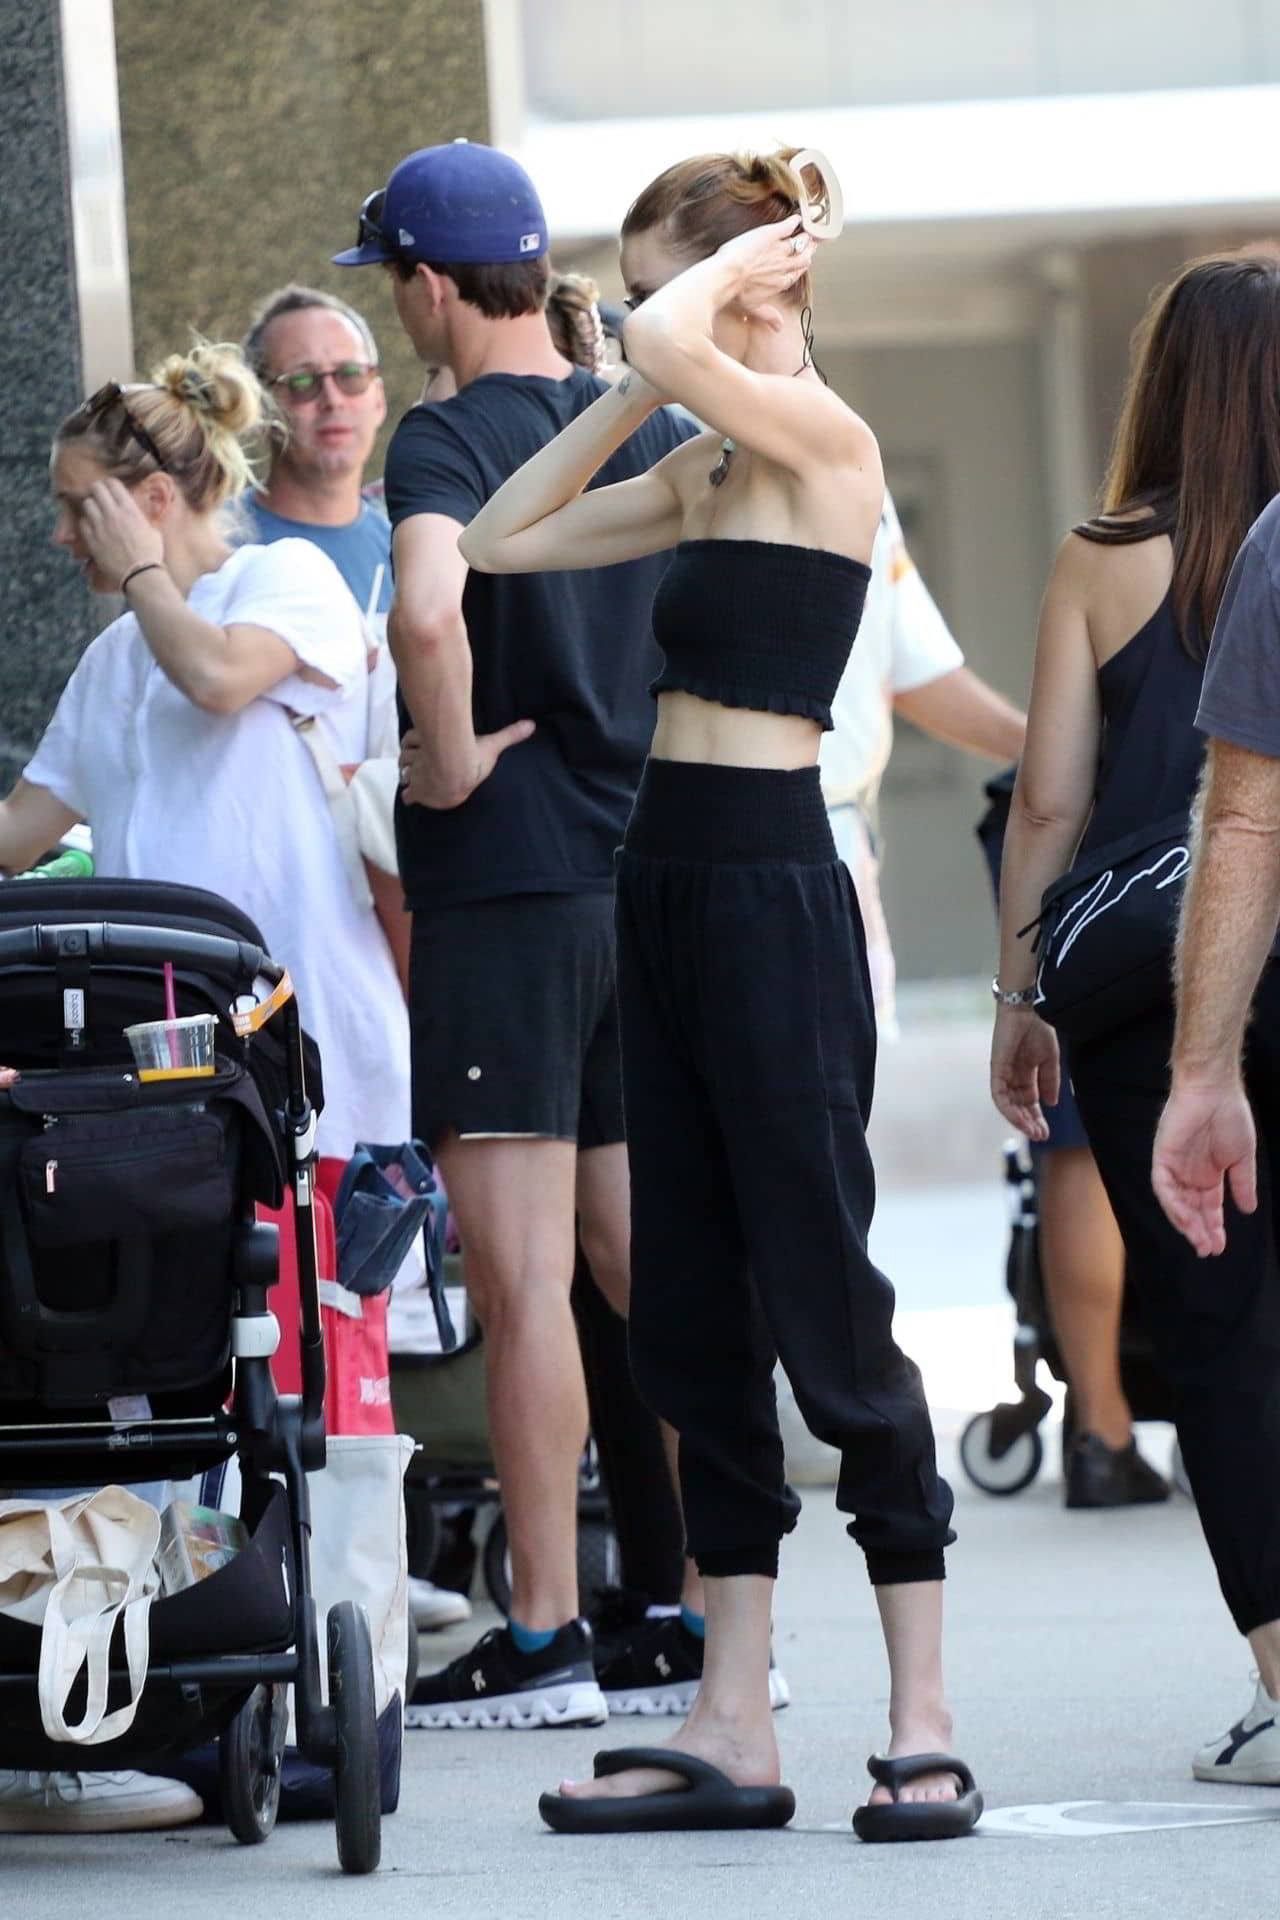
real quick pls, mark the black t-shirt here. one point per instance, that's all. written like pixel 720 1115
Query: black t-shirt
pixel 572 651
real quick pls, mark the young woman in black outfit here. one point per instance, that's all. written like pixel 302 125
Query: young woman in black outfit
pixel 1112 747
pixel 748 1034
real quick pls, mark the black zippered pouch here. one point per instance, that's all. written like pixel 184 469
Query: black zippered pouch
pixel 1107 930
pixel 109 1177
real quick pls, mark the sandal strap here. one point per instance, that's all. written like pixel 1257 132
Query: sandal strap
pixel 913 1766
pixel 686 1766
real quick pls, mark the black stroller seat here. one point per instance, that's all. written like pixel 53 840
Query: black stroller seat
pixel 135 1330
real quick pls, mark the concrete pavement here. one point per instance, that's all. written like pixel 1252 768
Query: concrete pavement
pixel 1088 1655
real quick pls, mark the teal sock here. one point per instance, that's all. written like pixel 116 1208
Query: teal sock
pixel 694 1623
pixel 527 1641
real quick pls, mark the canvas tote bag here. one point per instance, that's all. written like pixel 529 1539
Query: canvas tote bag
pixel 74 1568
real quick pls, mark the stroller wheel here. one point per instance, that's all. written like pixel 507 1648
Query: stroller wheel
pixel 249 1756
pixel 411 1658
pixel 598 1563
pixel 1003 1473
pixel 496 1564
pixel 357 1789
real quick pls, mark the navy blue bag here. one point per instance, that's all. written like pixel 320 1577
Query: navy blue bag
pixel 387 1196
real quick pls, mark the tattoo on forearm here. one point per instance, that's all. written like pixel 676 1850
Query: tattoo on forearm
pixel 624 385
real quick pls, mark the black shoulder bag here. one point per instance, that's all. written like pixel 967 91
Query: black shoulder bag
pixel 1107 931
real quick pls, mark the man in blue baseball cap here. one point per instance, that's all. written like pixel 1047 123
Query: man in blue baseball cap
pixel 462 202
pixel 527 719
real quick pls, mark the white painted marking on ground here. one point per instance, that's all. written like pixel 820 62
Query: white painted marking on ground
pixel 1099 1819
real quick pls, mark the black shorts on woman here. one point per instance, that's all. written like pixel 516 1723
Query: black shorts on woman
pixel 748 1044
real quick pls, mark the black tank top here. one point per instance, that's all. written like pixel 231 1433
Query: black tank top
pixel 1149 763
pixel 759 624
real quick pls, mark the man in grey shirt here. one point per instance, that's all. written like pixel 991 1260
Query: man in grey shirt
pixel 1224 1094
pixel 1232 906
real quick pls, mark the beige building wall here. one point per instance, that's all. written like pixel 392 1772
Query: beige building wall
pixel 250 142
pixel 253 133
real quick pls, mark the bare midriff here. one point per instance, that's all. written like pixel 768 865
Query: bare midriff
pixel 693 729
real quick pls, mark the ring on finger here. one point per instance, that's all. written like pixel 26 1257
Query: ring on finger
pixel 800 242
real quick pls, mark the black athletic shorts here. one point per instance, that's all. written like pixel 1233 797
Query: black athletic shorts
pixel 514 1020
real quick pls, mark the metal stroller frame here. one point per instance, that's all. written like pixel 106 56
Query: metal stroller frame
pixel 73 954
pixel 457 1470
pixel 1001 1450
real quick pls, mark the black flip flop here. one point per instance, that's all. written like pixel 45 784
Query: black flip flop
pixel 918 1819
pixel 710 1800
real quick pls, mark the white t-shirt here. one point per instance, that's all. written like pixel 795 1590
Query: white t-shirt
pixel 233 803
pixel 903 642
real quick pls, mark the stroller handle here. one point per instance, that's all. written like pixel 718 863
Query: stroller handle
pixel 235 961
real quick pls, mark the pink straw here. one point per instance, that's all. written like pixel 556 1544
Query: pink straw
pixel 170 1011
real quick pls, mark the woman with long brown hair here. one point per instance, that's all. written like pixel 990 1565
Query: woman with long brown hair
pixel 1112 749
pixel 747 1029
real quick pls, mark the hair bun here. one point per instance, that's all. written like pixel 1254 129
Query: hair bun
pixel 214 381
pixel 573 314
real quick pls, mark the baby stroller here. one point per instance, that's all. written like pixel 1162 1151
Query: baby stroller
pixel 1001 1450
pixel 135 1332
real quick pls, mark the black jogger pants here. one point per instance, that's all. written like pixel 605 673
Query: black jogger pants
pixel 1214 1324
pixel 748 1057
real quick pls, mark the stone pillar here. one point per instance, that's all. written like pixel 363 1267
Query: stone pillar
pixel 46 611
pixel 251 136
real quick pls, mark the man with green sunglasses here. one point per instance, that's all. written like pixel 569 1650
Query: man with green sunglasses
pixel 318 361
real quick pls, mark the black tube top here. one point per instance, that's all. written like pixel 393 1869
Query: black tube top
pixel 755 623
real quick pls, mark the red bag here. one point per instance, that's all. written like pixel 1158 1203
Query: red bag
pixel 357 1395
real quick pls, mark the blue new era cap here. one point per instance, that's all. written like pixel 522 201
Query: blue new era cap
pixel 461 203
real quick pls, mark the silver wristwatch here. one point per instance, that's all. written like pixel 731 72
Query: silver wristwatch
pixel 1013 996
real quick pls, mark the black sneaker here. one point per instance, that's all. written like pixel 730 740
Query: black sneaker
pixel 495 1685
pixel 659 1668
pixel 1102 1476
pixel 615 1615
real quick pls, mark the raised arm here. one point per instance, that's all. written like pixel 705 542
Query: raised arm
pixel 1051 803
pixel 542 519
pixel 799 424
pixel 220 669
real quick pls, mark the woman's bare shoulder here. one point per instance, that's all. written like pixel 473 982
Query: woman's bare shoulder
pixel 1085 557
pixel 1117 586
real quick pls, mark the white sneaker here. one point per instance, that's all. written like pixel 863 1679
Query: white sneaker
pixel 94 1802
pixel 1248 1754
pixel 431 1606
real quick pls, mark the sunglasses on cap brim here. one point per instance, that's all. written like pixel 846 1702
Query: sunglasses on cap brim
pixel 370 230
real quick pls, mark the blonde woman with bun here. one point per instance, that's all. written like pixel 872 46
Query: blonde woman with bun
pixel 175 737
pixel 747 1024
